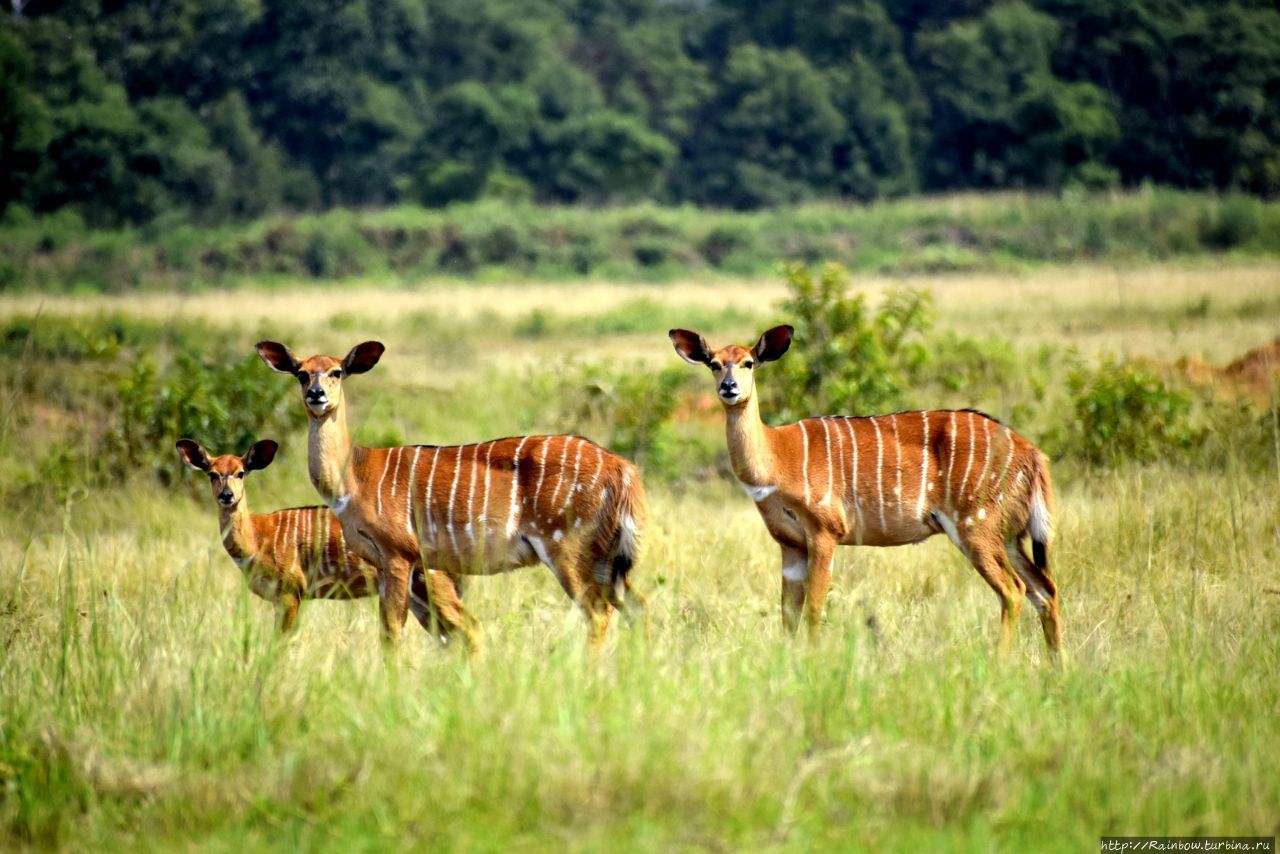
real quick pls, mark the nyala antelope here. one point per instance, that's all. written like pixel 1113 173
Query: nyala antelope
pixel 472 509
pixel 288 555
pixel 886 480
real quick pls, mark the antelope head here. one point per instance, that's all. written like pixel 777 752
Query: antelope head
pixel 321 376
pixel 226 473
pixel 733 366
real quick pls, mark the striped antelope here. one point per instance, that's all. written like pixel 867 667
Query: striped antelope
pixel 473 509
pixel 886 480
pixel 288 555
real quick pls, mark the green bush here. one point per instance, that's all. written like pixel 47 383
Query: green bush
pixel 1125 412
pixel 846 356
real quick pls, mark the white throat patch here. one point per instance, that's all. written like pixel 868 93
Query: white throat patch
pixel 759 493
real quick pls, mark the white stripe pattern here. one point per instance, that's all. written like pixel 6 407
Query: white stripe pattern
pixel 986 462
pixel 471 496
pixel 879 471
pixel 385 468
pixel 965 480
pixel 542 473
pixel 564 458
pixel 568 496
pixel 804 465
pixel 426 498
pixel 831 475
pixel 951 457
pixel 453 494
pixel 852 424
pixel 924 465
pixel 897 443
pixel 408 491
pixel 515 487
pixel 840 461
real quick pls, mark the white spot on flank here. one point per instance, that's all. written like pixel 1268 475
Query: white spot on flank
pixel 759 493
pixel 558 535
pixel 797 570
pixel 968 521
pixel 982 513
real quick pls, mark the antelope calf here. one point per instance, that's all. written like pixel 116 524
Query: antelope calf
pixel 288 555
pixel 886 480
pixel 472 509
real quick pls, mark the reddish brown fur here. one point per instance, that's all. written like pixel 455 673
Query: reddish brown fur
pixel 886 480
pixel 472 509
pixel 289 555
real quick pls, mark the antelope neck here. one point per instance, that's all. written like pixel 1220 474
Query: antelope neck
pixel 330 455
pixel 238 536
pixel 750 443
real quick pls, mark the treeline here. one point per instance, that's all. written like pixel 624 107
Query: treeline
pixel 217 110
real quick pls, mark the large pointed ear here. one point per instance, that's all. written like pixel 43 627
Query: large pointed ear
pixel 260 455
pixel 278 357
pixel 193 455
pixel 691 346
pixel 773 343
pixel 363 357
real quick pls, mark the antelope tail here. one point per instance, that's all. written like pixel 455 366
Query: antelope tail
pixel 1040 519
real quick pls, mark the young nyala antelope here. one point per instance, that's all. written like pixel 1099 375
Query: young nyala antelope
pixel 886 480
pixel 292 554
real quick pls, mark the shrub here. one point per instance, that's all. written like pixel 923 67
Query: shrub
pixel 1124 412
pixel 846 356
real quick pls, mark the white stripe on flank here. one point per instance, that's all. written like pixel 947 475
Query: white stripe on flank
pixel 515 487
pixel 951 458
pixel 564 458
pixel 964 480
pixel 986 462
pixel 408 491
pixel 924 465
pixel 831 475
pixel 599 468
pixel 568 496
pixel 897 443
pixel 840 463
pixel 426 496
pixel 453 494
pixel 395 470
pixel 879 471
pixel 275 536
pixel 488 469
pixel 855 491
pixel 1008 460
pixel 471 495
pixel 385 468
pixel 804 465
pixel 542 473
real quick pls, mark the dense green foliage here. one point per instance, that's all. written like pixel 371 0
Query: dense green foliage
pixel 211 111
pixel 495 240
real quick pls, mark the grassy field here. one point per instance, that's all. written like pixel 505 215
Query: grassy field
pixel 145 701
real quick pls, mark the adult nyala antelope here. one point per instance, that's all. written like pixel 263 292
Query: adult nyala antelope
pixel 886 480
pixel 288 555
pixel 473 509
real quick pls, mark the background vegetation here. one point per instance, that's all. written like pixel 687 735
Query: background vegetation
pixel 146 701
pixel 123 113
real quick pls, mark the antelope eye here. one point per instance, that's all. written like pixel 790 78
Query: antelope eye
pixel 715 366
pixel 303 378
pixel 748 365
pixel 336 373
pixel 212 476
pixel 240 475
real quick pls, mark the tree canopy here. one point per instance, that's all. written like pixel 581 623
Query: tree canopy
pixel 213 110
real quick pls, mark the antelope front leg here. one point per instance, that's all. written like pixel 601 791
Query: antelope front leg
pixel 795 569
pixel 822 550
pixel 393 598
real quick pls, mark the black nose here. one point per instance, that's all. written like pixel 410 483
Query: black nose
pixel 225 496
pixel 315 394
pixel 728 386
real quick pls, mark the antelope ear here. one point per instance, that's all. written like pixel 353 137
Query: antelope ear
pixel 363 357
pixel 278 357
pixel 260 455
pixel 773 343
pixel 193 455
pixel 691 346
